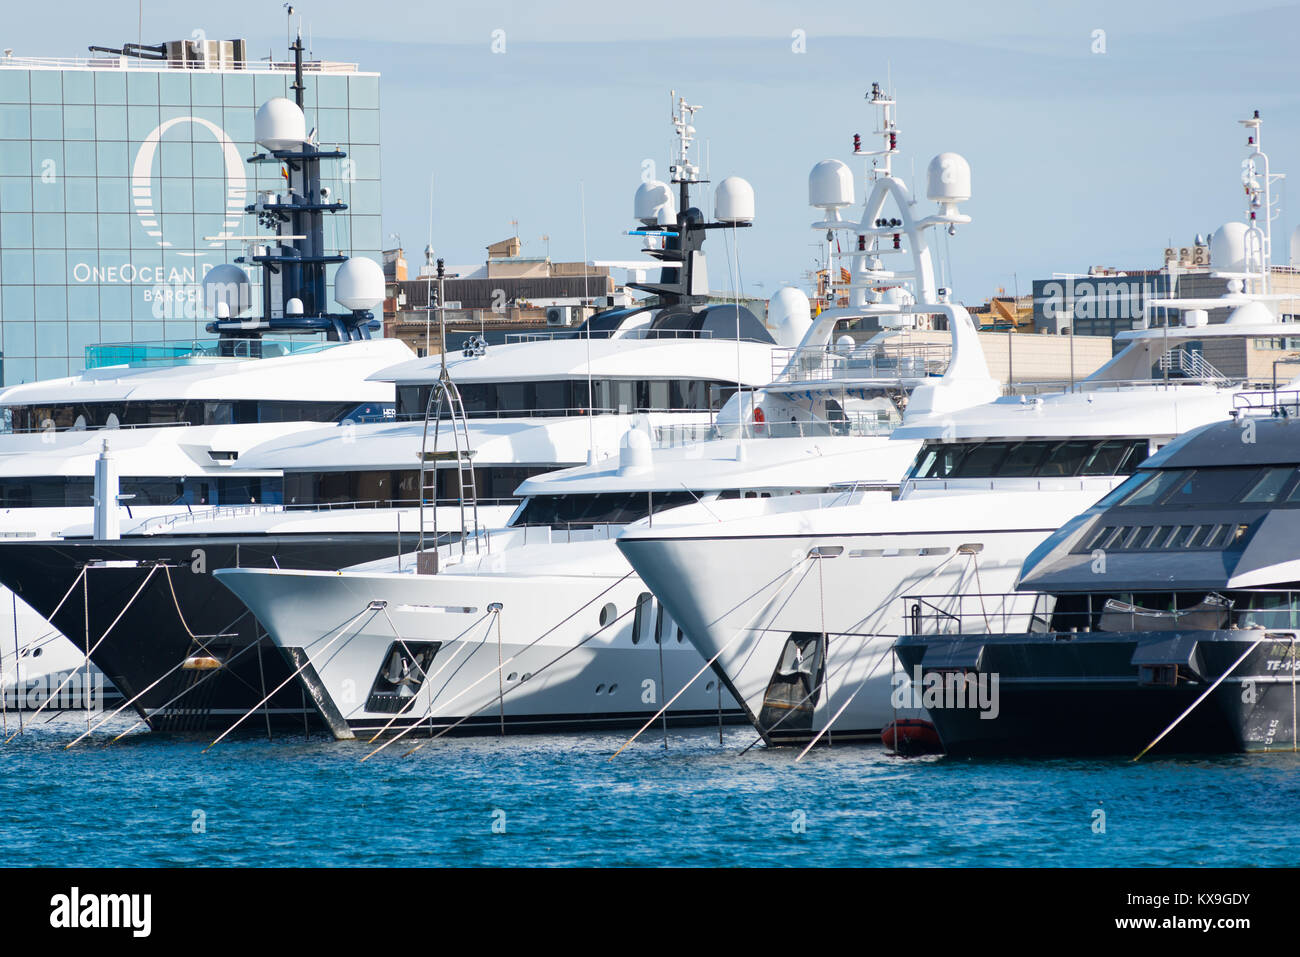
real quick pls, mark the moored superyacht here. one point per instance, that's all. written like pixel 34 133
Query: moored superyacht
pixel 1164 617
pixel 798 610
pixel 543 625
pixel 186 651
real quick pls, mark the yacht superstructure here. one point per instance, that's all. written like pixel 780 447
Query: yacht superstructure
pixel 798 611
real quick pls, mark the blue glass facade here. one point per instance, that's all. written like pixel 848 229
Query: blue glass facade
pixel 118 184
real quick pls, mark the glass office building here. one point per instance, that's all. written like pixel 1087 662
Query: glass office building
pixel 123 180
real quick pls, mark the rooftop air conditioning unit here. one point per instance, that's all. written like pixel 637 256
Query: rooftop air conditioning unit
pixel 559 315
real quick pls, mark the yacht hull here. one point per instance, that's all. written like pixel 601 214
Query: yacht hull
pixel 179 613
pixel 824 609
pixel 1100 693
pixel 426 654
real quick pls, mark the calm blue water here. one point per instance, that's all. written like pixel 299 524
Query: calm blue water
pixel 311 802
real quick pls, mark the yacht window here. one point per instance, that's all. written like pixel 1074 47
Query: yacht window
pixel 1110 458
pixel 1197 537
pixel 1023 459
pixel 1267 487
pixel 1211 486
pixel 1066 459
pixel 1178 537
pixel 982 460
pixel 1154 488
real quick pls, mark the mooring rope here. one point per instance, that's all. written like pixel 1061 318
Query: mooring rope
pixel 370 606
pixel 489 674
pixel 91 648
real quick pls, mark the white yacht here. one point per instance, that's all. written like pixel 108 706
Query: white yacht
pixel 354 491
pixel 798 610
pixel 543 625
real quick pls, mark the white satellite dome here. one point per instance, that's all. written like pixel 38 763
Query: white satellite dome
pixel 789 316
pixel 654 204
pixel 634 451
pixel 948 180
pixel 733 201
pixel 359 284
pixel 1228 248
pixel 830 185
pixel 280 125
pixel 226 288
pixel 1250 314
pixel 844 345
pixel 898 296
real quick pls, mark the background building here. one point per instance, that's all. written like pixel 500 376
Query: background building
pixel 120 174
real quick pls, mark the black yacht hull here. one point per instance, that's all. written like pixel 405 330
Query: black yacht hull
pixel 173 640
pixel 1112 693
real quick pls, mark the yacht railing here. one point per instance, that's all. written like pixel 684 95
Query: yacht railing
pixel 6 428
pixel 137 64
pixel 910 360
pixel 1049 387
pixel 187 351
pixel 532 413
pixel 972 613
pixel 210 513
pixel 854 424
pixel 575 333
pixel 1284 402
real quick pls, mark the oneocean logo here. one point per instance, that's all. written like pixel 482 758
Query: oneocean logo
pixel 75 909
pixel 142 184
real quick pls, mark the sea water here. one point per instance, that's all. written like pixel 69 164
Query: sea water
pixel 560 800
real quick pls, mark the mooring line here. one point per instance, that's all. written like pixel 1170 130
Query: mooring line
pixel 171 701
pixel 461 645
pixel 489 674
pixel 1205 694
pixel 91 648
pixel 297 671
pixel 501 698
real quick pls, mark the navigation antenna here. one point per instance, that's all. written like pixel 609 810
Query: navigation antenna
pixel 1259 204
pixel 445 393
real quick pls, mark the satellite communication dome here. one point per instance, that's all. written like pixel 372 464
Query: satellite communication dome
pixel 654 204
pixel 293 307
pixel 1228 248
pixel 280 125
pixel 948 179
pixel 898 296
pixel 789 315
pixel 844 345
pixel 227 288
pixel 359 284
pixel 830 185
pixel 1250 314
pixel 733 201
pixel 634 451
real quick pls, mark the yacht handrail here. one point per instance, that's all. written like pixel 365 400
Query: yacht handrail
pixel 575 333
pixel 6 429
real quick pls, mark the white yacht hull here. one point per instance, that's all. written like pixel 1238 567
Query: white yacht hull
pixel 543 662
pixel 798 577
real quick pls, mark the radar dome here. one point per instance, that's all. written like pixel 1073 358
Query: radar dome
pixel 898 296
pixel 280 125
pixel 359 284
pixel 1250 314
pixel 733 201
pixel 789 315
pixel 844 345
pixel 227 288
pixel 654 204
pixel 948 179
pixel 634 451
pixel 1228 248
pixel 830 185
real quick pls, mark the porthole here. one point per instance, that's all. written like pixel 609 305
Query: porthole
pixel 38 652
pixel 613 688
pixel 600 688
pixel 512 676
pixel 709 686
pixel 527 675
pixel 608 614
pixel 679 636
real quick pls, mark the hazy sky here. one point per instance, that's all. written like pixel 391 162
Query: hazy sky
pixel 1078 157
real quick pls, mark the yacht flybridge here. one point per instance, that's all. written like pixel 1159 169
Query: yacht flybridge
pixel 797 611
pixel 578 639
pixel 356 490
